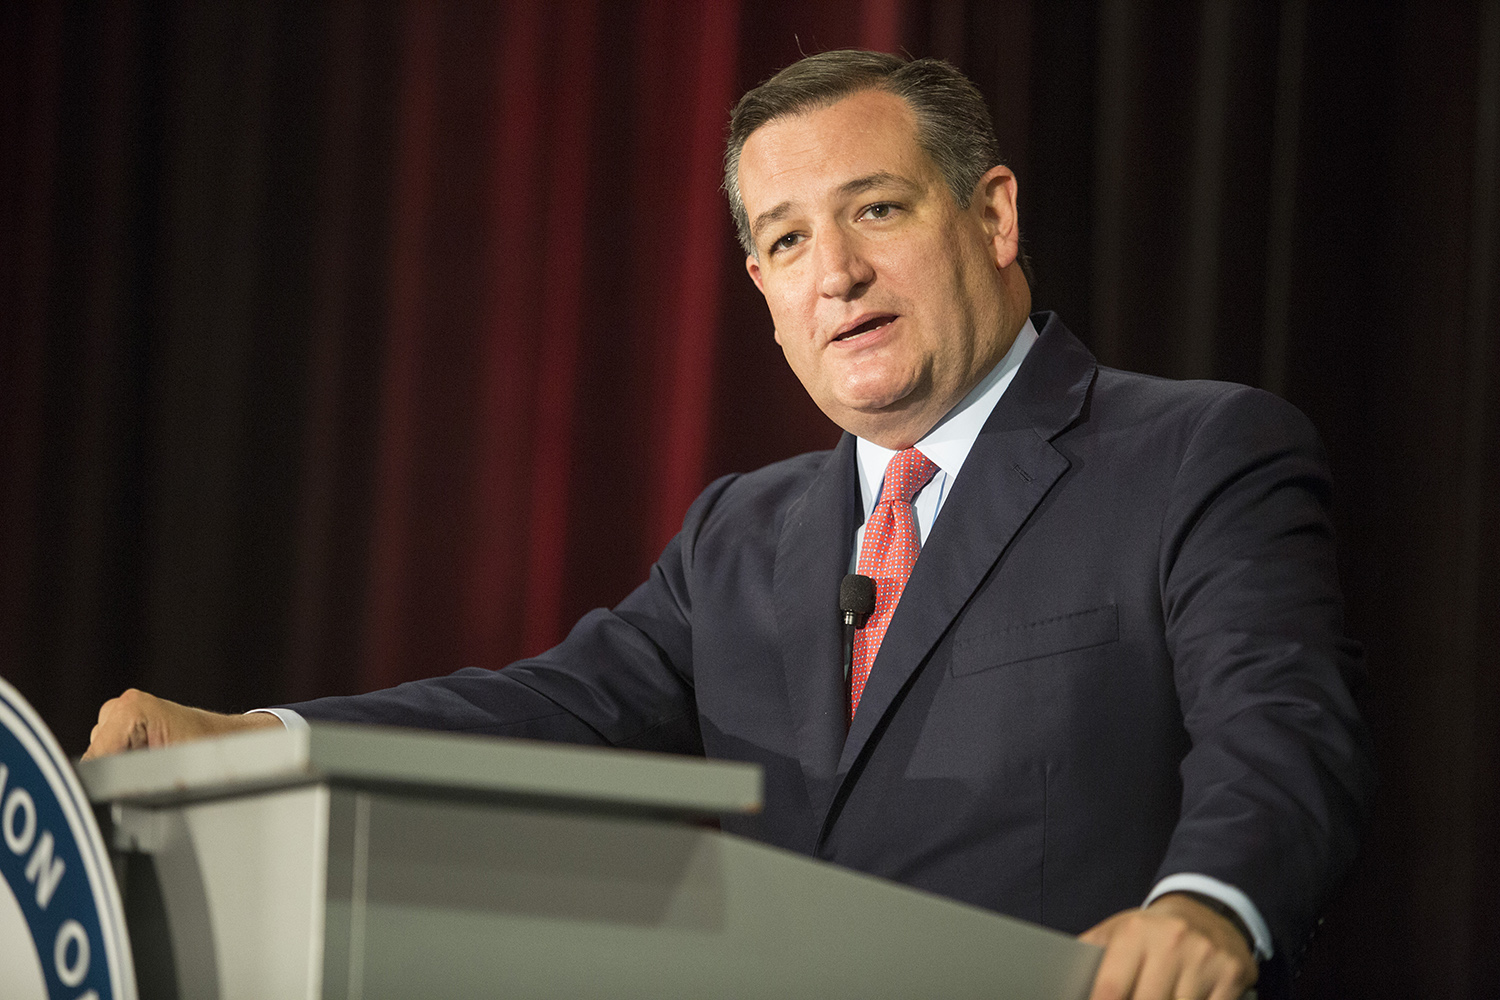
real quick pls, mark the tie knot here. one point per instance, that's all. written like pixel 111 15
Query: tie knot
pixel 907 473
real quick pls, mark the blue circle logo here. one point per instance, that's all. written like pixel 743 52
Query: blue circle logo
pixel 62 929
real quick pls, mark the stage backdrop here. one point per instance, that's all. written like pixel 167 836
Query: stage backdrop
pixel 345 343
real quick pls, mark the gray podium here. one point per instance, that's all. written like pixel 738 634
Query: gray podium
pixel 360 862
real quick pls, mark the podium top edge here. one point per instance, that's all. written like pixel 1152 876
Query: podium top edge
pixel 427 763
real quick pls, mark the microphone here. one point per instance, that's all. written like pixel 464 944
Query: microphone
pixel 856 602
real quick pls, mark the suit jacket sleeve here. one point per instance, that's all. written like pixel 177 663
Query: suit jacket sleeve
pixel 1277 780
pixel 622 677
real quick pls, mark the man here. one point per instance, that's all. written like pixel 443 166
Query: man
pixel 1115 674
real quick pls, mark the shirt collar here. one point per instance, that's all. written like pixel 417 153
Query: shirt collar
pixel 948 444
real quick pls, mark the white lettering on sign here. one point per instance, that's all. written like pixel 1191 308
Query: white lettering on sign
pixel 44 870
pixel 18 801
pixel 71 932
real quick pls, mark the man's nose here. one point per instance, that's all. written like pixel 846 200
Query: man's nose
pixel 844 269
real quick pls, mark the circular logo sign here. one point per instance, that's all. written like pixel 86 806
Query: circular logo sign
pixel 62 929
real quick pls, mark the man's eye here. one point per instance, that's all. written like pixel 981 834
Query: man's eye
pixel 785 243
pixel 883 210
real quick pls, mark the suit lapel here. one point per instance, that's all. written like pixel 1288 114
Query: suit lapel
pixel 1010 469
pixel 812 556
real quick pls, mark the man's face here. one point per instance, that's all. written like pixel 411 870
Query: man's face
pixel 890 301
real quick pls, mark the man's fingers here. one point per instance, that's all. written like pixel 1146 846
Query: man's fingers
pixel 1175 951
pixel 1190 983
pixel 137 719
pixel 1211 979
pixel 1167 975
pixel 1177 967
pixel 121 725
pixel 1217 962
pixel 1121 964
pixel 1229 982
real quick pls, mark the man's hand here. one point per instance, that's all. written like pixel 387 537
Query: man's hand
pixel 1174 949
pixel 137 719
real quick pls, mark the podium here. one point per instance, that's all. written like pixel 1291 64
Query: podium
pixel 356 862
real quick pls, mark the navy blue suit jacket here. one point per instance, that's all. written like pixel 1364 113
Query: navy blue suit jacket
pixel 1120 656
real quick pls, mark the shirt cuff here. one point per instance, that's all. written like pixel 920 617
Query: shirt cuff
pixel 288 718
pixel 1225 893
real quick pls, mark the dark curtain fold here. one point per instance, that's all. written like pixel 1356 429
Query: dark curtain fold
pixel 350 342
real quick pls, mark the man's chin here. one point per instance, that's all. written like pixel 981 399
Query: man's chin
pixel 900 421
pixel 874 399
pixel 873 411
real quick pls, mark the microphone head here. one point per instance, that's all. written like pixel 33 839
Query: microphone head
pixel 856 598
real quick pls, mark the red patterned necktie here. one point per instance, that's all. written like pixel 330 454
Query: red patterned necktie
pixel 890 550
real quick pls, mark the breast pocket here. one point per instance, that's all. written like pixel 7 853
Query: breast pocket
pixel 1047 637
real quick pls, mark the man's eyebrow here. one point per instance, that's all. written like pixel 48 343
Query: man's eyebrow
pixel 859 185
pixel 769 216
pixel 882 178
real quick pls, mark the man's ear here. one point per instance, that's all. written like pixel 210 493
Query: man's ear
pixel 753 266
pixel 995 199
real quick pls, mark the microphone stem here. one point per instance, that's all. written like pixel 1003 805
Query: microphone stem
pixel 848 648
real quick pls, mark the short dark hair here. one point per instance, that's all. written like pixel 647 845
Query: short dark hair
pixel 953 123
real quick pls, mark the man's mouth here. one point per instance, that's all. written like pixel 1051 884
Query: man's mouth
pixel 873 323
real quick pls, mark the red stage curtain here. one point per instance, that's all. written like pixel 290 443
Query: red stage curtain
pixel 555 346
